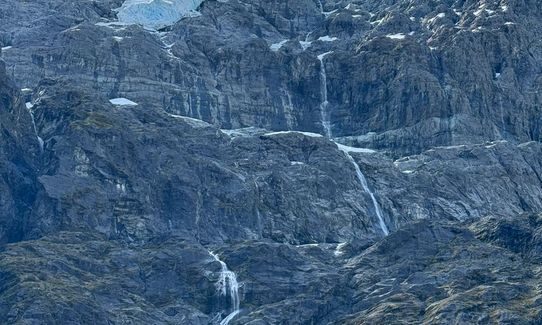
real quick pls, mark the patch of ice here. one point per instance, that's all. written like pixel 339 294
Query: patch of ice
pixel 122 102
pixel 277 46
pixel 157 14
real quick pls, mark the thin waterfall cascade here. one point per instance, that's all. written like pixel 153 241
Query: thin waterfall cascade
pixel 365 186
pixel 324 105
pixel 40 140
pixel 227 285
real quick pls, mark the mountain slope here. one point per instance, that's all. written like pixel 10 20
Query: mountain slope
pixel 271 145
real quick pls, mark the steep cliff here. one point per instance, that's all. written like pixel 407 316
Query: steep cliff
pixel 270 162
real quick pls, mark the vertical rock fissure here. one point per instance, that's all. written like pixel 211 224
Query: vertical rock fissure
pixel 227 285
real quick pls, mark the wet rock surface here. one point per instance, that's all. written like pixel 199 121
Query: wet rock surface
pixel 129 155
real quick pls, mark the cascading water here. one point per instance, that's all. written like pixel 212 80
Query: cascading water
pixel 326 123
pixel 365 186
pixel 40 140
pixel 227 285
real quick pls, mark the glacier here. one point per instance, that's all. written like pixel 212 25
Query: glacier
pixel 156 14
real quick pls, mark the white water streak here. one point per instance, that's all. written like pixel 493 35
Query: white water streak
pixel 363 182
pixel 227 285
pixel 324 113
pixel 40 140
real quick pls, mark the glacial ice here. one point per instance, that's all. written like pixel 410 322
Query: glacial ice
pixel 156 14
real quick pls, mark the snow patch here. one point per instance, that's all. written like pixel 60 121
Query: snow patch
pixel 192 121
pixel 305 45
pixel 344 148
pixel 327 38
pixel 277 46
pixel 396 36
pixel 116 26
pixel 339 249
pixel 122 102
pixel 308 134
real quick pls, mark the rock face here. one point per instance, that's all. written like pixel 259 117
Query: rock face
pixel 143 158
pixel 400 76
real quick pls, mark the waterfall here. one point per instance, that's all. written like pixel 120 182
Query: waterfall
pixel 365 186
pixel 227 285
pixel 40 140
pixel 324 114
